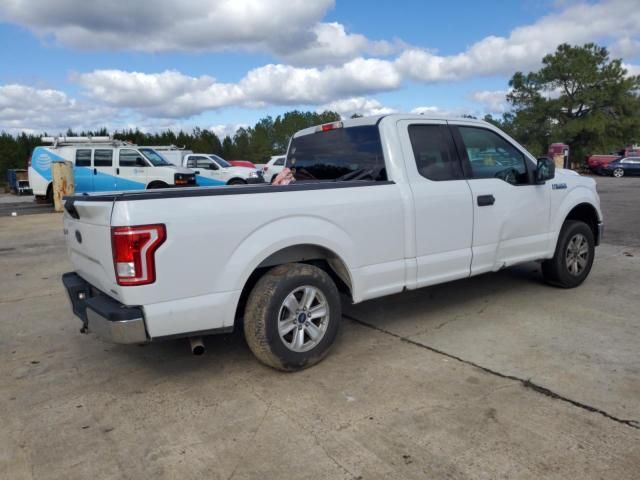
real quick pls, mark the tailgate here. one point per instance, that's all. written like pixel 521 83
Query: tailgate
pixel 87 228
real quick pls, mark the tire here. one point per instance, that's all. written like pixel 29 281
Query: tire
pixel 49 195
pixel 236 181
pixel 565 269
pixel 153 185
pixel 618 173
pixel 279 294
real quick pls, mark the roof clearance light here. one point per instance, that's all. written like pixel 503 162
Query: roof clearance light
pixel 329 126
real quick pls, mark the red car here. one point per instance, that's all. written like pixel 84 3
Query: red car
pixel 242 163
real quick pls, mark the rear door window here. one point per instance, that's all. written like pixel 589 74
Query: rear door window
pixel 434 152
pixel 353 153
pixel 83 158
pixel 102 158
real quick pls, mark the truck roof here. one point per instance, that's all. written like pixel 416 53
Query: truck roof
pixel 375 119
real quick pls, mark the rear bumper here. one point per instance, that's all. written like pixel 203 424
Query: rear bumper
pixel 107 318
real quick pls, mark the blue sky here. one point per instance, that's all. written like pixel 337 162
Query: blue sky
pixel 223 63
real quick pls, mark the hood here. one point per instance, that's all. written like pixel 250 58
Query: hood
pixel 240 170
pixel 184 170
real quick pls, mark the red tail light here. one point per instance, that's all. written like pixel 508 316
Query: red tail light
pixel 134 251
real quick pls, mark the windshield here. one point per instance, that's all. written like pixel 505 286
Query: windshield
pixel 343 153
pixel 154 157
pixel 220 161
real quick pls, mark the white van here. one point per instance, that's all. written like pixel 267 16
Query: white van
pixel 103 164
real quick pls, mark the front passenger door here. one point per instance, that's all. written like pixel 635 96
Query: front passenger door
pixel 132 170
pixel 510 212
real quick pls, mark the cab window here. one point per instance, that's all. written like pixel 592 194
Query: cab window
pixel 491 156
pixel 128 158
pixel 102 158
pixel 353 153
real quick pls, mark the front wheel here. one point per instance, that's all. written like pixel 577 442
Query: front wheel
pixel 236 181
pixel 292 316
pixel 573 257
pixel 618 172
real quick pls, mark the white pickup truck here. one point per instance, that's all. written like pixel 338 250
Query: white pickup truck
pixel 379 205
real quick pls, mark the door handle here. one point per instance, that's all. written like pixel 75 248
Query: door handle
pixel 95 171
pixel 486 200
pixel 118 171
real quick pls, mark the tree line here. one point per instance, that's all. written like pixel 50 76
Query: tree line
pixel 580 97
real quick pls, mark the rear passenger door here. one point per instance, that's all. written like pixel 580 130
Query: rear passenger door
pixel 83 171
pixel 442 202
pixel 104 179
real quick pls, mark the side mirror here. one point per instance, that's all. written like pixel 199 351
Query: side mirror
pixel 140 162
pixel 213 166
pixel 545 170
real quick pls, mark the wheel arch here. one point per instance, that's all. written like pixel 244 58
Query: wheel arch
pixel 157 184
pixel 587 213
pixel 236 179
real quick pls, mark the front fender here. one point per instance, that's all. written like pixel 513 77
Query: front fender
pixel 278 234
pixel 578 195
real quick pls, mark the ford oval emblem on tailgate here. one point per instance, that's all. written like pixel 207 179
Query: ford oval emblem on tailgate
pixel 78 236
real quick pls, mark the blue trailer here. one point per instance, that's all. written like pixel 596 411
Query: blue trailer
pixel 18 180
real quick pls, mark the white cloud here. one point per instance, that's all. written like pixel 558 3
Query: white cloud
pixel 333 46
pixel 24 108
pixel 227 129
pixel 525 46
pixel 165 25
pixel 290 29
pixel 631 69
pixel 493 101
pixel 171 94
pixel 361 105
pixel 442 112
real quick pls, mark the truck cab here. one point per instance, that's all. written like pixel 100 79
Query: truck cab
pixel 102 164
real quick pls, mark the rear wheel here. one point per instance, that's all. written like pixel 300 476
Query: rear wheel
pixel 618 172
pixel 292 316
pixel 573 257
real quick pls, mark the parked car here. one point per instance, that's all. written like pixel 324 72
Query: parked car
pixel 598 163
pixel 273 167
pixel 101 164
pixel 214 170
pixel 243 163
pixel 623 166
pixel 381 205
